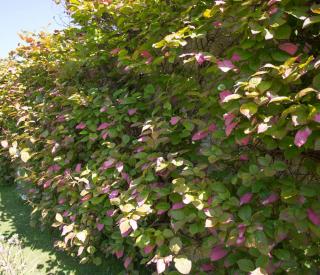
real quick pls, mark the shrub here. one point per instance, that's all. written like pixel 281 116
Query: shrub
pixel 182 133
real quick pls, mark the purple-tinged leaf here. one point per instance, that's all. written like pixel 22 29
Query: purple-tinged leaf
pixel 224 94
pixel 218 253
pixel 174 120
pixel 235 57
pixel 131 112
pixel 246 198
pixel 100 226
pixel 225 65
pixel 148 249
pixel 302 136
pixel 289 48
pixel 270 199
pixel 81 126
pixel 103 126
pixel 316 118
pixel 199 135
pixel 313 217
pixel 200 58
pixel 212 127
pixel 119 254
pixel 107 164
pixel 207 267
pixel 177 205
pixel 78 168
pixel 127 262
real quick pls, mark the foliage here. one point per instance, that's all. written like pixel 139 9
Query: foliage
pixel 185 132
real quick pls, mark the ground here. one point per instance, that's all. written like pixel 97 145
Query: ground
pixel 38 249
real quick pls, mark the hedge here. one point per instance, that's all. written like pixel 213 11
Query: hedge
pixel 180 134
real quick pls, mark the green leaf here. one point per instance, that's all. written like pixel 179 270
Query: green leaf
pixel 163 206
pixel 245 213
pixel 283 32
pixel 249 109
pixel 282 254
pixel 316 82
pixel 246 265
pixel 182 264
pixel 311 20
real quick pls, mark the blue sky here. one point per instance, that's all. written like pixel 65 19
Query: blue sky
pixel 28 15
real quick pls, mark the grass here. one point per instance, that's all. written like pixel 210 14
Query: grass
pixel 38 250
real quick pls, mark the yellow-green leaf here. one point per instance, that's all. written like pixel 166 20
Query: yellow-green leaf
pixel 182 264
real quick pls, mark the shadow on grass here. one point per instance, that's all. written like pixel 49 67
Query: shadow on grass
pixel 38 246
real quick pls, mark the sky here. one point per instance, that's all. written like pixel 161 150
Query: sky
pixel 27 15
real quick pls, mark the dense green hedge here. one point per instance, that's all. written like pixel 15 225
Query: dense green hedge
pixel 178 133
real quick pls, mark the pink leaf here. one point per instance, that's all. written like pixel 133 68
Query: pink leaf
pixel 313 217
pixel 62 201
pixel 240 240
pixel 235 57
pixel 85 198
pixel 302 136
pixel 104 135
pixel 289 48
pixel 148 249
pixel 103 126
pixel 316 118
pixel 246 198
pixel 103 109
pixel 47 184
pixel 100 226
pixel 217 24
pixel 273 10
pixel 161 212
pixel 105 189
pixel 127 262
pixel 131 112
pixel 110 212
pixel 81 126
pixel 230 127
pixel 114 194
pixel 212 127
pixel 207 267
pixel 119 254
pixel 107 164
pixel 271 199
pixel 78 168
pixel 199 135
pixel 200 58
pixel 218 253
pixel 244 141
pixel 143 139
pixel 61 118
pixel 174 120
pixel 115 51
pixel 177 205
pixel 145 54
pixel 65 214
pixel 224 94
pixel 225 65
pixel 228 118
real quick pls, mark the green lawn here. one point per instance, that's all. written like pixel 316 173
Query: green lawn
pixel 38 248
